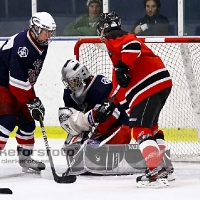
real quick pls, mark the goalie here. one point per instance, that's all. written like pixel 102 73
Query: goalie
pixel 83 93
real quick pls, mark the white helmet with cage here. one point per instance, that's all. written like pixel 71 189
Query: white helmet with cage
pixel 73 75
pixel 42 21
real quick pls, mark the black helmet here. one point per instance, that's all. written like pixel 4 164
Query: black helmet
pixel 108 21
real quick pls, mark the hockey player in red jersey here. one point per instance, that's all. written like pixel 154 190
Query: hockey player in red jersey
pixel 83 93
pixel 145 86
pixel 21 60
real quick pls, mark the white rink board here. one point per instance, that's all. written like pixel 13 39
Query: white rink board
pixel 49 86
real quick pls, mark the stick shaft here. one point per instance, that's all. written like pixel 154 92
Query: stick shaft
pixel 110 137
pixel 58 179
pixel 75 157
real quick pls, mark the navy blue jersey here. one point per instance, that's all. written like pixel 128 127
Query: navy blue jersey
pixel 21 60
pixel 97 91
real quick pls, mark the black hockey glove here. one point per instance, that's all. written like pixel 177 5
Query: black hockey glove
pixel 36 108
pixel 104 111
pixel 122 75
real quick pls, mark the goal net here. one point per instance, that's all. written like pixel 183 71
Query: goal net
pixel 180 117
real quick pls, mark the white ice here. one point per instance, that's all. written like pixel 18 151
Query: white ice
pixel 40 187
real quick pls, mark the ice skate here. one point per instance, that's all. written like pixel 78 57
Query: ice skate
pixel 28 164
pixel 156 178
pixel 168 165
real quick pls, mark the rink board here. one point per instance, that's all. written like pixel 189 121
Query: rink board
pixel 176 134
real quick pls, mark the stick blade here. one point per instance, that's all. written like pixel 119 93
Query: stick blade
pixel 5 191
pixel 65 179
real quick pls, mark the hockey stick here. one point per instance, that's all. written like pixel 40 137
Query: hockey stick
pixel 5 191
pixel 75 157
pixel 109 138
pixel 114 133
pixel 58 179
pixel 114 94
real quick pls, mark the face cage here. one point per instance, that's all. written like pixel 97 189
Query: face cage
pixel 72 83
pixel 101 33
pixel 37 30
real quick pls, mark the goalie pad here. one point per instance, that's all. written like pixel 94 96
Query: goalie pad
pixel 73 121
pixel 107 160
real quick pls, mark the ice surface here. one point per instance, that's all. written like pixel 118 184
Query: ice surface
pixel 41 187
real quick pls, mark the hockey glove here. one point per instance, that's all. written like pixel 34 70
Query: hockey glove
pixel 122 74
pixel 36 108
pixel 104 111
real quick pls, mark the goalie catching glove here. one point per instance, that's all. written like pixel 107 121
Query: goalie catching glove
pixel 77 125
pixel 36 108
pixel 73 121
pixel 122 74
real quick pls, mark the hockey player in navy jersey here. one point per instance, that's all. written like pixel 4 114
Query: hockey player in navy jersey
pixel 21 60
pixel 83 93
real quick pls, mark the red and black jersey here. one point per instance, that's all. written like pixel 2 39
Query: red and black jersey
pixel 149 75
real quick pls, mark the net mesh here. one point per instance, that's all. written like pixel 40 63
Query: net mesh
pixel 177 118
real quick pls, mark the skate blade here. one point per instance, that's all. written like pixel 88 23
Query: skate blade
pixel 171 177
pixel 159 183
pixel 30 170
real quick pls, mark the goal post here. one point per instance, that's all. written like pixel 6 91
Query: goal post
pixel 180 117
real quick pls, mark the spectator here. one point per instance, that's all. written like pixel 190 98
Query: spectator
pixel 153 23
pixel 85 25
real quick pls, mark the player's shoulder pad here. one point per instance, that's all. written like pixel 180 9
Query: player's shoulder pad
pixel 101 85
pixel 103 79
